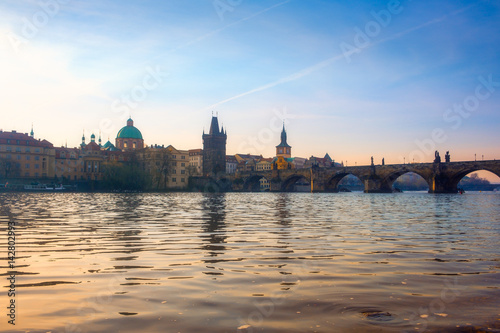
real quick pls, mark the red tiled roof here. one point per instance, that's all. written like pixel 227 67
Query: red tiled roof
pixel 67 151
pixel 249 156
pixel 92 146
pixel 24 140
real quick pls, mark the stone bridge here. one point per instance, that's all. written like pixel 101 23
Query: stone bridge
pixel 441 177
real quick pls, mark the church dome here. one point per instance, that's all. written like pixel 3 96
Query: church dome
pixel 129 131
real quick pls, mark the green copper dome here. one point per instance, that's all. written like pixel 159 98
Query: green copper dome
pixel 129 131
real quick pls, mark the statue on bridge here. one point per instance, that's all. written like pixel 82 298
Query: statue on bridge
pixel 447 157
pixel 383 161
pixel 437 158
pixel 372 160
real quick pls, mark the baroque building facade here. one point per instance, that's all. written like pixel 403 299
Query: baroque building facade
pixel 166 167
pixel 24 157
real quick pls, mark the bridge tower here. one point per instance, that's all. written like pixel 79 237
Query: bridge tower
pixel 284 149
pixel 214 150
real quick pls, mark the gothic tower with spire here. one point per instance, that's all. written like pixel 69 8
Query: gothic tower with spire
pixel 214 149
pixel 283 149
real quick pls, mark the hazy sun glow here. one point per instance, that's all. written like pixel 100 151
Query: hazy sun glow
pixel 392 80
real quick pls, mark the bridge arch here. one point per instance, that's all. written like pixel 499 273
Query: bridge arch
pixel 332 183
pixel 288 184
pixel 456 178
pixel 252 183
pixel 208 186
pixel 224 184
pixel 389 180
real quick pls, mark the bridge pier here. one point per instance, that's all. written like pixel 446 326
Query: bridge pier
pixel 275 186
pixel 376 185
pixel 317 186
pixel 440 184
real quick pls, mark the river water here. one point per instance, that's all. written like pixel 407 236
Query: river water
pixel 252 262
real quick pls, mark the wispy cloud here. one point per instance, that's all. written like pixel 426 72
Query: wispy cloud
pixel 289 78
pixel 307 71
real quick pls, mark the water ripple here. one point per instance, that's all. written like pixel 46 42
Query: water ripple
pixel 263 262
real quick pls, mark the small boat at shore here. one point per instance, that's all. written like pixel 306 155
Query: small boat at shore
pixel 43 187
pixel 37 187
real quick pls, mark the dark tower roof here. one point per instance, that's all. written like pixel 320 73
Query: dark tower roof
pixel 214 129
pixel 283 139
pixel 214 126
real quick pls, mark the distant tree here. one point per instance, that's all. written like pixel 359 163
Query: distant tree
pixel 350 180
pixel 473 180
pixel 9 169
pixel 191 170
pixel 161 167
pixel 124 177
pixel 411 182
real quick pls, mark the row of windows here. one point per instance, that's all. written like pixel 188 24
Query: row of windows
pixel 158 163
pixel 18 142
pixel 69 163
pixel 19 157
pixel 183 157
pixel 92 166
pixel 159 156
pixel 28 166
pixel 69 169
pixel 174 180
pixel 174 171
pixel 19 150
pixel 63 155
pixel 134 144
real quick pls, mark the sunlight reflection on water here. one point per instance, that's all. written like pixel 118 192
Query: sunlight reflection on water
pixel 242 262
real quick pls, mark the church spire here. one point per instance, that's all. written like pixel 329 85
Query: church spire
pixel 283 135
pixel 83 139
pixel 32 133
pixel 284 149
pixel 283 138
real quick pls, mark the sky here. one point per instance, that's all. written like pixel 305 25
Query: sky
pixel 389 79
